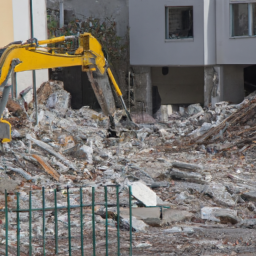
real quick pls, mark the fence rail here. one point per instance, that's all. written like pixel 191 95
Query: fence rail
pixel 69 207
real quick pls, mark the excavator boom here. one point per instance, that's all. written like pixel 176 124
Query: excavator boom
pixel 34 55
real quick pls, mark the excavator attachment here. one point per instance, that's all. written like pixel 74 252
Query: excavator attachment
pixel 87 53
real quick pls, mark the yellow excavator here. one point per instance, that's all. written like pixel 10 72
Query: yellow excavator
pixel 33 55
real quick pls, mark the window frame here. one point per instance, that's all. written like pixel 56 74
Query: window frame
pixel 167 7
pixel 250 19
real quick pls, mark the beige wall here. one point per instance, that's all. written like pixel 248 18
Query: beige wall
pixel 6 21
pixel 180 86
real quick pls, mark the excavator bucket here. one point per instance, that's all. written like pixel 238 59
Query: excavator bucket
pixel 5 131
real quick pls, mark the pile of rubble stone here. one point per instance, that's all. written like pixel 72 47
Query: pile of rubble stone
pixel 196 174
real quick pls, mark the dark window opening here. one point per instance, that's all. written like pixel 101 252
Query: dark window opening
pixel 179 22
pixel 165 71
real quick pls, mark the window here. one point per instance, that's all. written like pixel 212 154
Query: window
pixel 243 19
pixel 179 22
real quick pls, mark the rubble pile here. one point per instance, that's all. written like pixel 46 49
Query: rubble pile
pixel 193 178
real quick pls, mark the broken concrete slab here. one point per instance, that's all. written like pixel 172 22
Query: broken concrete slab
pixel 85 152
pixel 150 216
pixel 219 194
pixel 194 109
pixel 187 176
pixel 248 223
pixel 138 225
pixel 249 196
pixel 143 193
pixel 188 230
pixel 174 215
pixel 50 150
pixel 7 184
pixel 188 166
pixel 221 215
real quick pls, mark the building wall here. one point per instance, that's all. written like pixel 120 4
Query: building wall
pixel 233 83
pixel 21 25
pixel 6 20
pixel 180 86
pixel 147 35
pixel 209 32
pixel 231 50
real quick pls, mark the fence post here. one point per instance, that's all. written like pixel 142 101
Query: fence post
pixel 30 223
pixel 130 210
pixel 93 222
pixel 43 196
pixel 81 222
pixel 69 230
pixel 118 220
pixel 106 207
pixel 56 221
pixel 6 224
pixel 18 224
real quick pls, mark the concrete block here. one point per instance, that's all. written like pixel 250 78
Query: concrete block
pixel 151 216
pixel 174 215
pixel 144 194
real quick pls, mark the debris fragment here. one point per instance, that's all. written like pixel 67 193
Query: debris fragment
pixel 144 194
pixel 47 167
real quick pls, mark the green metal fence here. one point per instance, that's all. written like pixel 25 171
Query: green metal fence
pixel 68 208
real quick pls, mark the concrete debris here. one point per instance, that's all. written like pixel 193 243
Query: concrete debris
pixel 192 177
pixel 174 215
pixel 138 225
pixel 150 216
pixel 188 230
pixel 47 167
pixel 187 176
pixel 144 194
pixel 217 214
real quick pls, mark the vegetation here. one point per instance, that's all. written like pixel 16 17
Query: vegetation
pixel 114 46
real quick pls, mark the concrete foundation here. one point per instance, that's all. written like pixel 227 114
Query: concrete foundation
pixel 208 85
pixel 142 90
pixel 223 83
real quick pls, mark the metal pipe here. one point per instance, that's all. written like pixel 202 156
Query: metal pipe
pixel 61 6
pixel 15 84
pixel 33 72
pixel 61 207
pixel 56 40
pixel 12 86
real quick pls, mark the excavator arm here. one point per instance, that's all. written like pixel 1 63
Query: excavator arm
pixel 34 55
